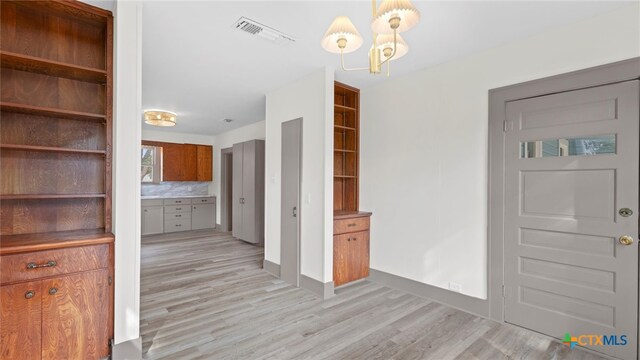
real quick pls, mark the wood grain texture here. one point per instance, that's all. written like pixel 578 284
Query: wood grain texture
pixel 13 268
pixel 41 216
pixel 34 64
pixel 20 321
pixel 355 224
pixel 24 243
pixel 74 324
pixel 36 172
pixel 204 295
pixel 50 30
pixel 205 163
pixel 190 162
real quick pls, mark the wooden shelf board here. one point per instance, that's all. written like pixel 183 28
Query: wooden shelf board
pixel 12 244
pixel 51 149
pixel 344 150
pixel 48 196
pixel 343 108
pixel 344 176
pixel 342 214
pixel 344 127
pixel 34 64
pixel 45 111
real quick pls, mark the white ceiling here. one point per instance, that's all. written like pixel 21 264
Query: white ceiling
pixel 198 65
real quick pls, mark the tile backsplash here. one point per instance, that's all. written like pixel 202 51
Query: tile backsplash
pixel 175 188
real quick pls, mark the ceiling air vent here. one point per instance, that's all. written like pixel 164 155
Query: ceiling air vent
pixel 255 28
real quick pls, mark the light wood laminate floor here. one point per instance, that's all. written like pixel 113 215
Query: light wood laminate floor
pixel 204 295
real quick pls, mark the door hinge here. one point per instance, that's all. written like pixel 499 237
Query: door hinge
pixel 504 291
pixel 504 126
pixel 111 343
pixel 295 211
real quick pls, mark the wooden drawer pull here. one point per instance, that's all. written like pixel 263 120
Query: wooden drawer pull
pixel 29 294
pixel 50 263
pixel 351 225
pixel 53 291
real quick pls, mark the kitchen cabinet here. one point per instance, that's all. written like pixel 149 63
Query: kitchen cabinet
pixel 185 162
pixel 152 217
pixel 203 216
pixel 178 214
pixel 248 191
pixel 204 154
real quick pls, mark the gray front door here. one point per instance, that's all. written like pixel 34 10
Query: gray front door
pixel 290 202
pixel 571 172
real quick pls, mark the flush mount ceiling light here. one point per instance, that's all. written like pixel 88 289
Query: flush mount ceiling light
pixel 390 19
pixel 159 118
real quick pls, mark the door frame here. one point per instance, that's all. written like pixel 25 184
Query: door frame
pixel 225 196
pixel 596 76
pixel 299 208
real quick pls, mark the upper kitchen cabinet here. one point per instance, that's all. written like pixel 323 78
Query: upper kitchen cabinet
pixel 185 162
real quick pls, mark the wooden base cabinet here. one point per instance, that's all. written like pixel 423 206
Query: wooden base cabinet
pixel 63 311
pixel 350 247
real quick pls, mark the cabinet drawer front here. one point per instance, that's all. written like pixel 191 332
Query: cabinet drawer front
pixel 152 202
pixel 177 201
pixel 177 225
pixel 207 200
pixel 38 264
pixel 350 225
pixel 177 209
pixel 177 216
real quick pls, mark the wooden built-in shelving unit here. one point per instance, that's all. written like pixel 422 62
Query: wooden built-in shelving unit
pixel 56 245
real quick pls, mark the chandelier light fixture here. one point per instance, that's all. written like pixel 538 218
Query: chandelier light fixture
pixel 388 21
pixel 159 118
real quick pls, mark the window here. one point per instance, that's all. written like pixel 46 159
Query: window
pixel 151 164
pixel 591 145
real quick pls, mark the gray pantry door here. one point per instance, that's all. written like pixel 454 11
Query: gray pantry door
pixel 290 201
pixel 571 174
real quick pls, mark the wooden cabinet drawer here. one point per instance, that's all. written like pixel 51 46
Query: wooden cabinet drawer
pixel 28 266
pixel 204 200
pixel 177 216
pixel 177 209
pixel 342 226
pixel 177 225
pixel 177 201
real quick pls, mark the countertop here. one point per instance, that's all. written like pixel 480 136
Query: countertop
pixel 175 197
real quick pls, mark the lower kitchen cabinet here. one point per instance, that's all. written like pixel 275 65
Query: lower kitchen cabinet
pixel 203 216
pixel 152 218
pixel 178 214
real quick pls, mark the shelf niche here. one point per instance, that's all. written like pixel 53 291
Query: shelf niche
pixel 346 147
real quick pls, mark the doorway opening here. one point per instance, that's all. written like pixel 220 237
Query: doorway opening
pixel 226 190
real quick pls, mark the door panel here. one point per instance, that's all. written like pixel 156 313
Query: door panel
pixel 204 167
pixel 190 162
pixel 249 192
pixel 571 164
pixel 290 221
pixel 203 216
pixel 341 259
pixel 152 220
pixel 20 319
pixel 236 201
pixel 75 313
pixel 358 255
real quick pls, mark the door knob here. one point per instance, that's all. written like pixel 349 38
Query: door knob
pixel 626 240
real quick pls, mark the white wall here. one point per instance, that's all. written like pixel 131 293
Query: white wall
pixel 225 140
pixel 310 98
pixel 126 168
pixel 424 147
